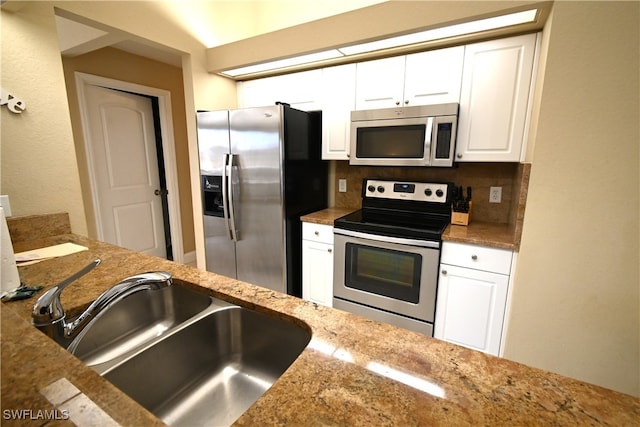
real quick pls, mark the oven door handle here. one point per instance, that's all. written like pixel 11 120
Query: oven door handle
pixel 388 239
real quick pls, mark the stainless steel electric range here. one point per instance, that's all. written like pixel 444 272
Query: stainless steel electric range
pixel 386 255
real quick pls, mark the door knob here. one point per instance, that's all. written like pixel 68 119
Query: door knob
pixel 157 192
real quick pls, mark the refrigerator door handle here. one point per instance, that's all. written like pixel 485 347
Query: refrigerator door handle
pixel 225 196
pixel 232 215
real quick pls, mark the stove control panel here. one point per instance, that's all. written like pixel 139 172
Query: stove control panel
pixel 402 190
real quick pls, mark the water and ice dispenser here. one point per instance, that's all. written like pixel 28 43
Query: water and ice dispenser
pixel 212 200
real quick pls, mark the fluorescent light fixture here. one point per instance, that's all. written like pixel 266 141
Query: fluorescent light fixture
pixel 465 28
pixel 283 63
pixel 444 32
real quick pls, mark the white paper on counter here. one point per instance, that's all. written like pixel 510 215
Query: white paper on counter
pixel 37 255
pixel 9 278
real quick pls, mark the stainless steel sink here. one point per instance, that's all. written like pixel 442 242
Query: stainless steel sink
pixel 211 370
pixel 134 322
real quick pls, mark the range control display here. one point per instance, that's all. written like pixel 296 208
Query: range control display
pixel 404 188
pixel 416 191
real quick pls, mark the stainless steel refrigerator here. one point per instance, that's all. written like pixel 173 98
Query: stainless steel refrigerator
pixel 261 169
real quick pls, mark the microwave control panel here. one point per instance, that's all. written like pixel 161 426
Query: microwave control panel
pixel 401 190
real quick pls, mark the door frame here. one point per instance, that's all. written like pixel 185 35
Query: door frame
pixel 168 147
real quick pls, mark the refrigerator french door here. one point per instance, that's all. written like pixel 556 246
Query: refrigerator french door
pixel 260 171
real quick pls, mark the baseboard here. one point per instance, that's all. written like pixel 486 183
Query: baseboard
pixel 190 258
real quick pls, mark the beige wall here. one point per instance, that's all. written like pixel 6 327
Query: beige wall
pixel 119 65
pixel 39 171
pixel 576 300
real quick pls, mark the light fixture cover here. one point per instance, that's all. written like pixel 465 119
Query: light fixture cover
pixel 443 32
pixel 284 63
pixel 464 28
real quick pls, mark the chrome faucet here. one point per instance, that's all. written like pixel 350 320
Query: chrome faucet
pixel 49 316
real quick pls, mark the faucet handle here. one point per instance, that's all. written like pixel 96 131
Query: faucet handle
pixel 48 308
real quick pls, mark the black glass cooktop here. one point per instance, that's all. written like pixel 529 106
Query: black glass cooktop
pixel 394 223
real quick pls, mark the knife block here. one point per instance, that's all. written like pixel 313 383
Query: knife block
pixel 462 218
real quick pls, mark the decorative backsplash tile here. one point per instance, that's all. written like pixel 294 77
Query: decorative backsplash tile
pixel 512 177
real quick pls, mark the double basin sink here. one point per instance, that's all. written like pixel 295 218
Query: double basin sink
pixel 187 357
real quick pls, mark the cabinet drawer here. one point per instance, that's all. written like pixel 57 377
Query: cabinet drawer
pixel 477 257
pixel 317 232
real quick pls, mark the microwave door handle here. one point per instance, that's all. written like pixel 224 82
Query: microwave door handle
pixel 427 141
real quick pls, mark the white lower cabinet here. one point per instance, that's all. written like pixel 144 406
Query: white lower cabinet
pixel 317 263
pixel 472 296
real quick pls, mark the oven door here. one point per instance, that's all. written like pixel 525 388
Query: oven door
pixel 391 274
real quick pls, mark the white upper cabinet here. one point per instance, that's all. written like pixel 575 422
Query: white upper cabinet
pixel 258 93
pixel 380 83
pixel 496 84
pixel 338 100
pixel 300 90
pixel 434 77
pixel 424 78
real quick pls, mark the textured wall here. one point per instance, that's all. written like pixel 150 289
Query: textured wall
pixel 39 170
pixel 576 299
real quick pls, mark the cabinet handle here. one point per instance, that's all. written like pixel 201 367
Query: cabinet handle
pixel 406 102
pixel 329 250
pixel 397 102
pixel 444 272
pixel 459 155
pixel 474 257
pixel 317 233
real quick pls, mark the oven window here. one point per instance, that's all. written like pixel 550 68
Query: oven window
pixel 381 271
pixel 388 142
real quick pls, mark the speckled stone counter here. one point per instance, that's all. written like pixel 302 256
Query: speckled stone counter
pixel 502 236
pixel 326 216
pixel 354 371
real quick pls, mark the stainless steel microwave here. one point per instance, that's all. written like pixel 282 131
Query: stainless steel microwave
pixel 405 136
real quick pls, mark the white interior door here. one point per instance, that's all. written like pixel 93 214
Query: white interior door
pixel 122 151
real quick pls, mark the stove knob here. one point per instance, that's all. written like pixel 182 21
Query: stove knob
pixel 371 188
pixel 380 188
pixel 428 192
pixel 439 193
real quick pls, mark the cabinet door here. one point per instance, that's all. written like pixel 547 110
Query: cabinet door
pixel 433 77
pixel 317 272
pixel 470 308
pixel 300 90
pixel 493 104
pixel 338 100
pixel 258 93
pixel 380 83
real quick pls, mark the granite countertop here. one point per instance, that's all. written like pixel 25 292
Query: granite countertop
pixel 326 216
pixel 355 371
pixel 489 234
pixel 502 236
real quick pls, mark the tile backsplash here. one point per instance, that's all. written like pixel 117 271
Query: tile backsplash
pixel 512 177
